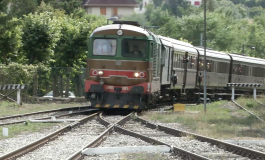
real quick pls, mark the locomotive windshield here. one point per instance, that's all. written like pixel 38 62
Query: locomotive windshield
pixel 106 47
pixel 134 48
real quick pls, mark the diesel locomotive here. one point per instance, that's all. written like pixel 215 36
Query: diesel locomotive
pixel 130 67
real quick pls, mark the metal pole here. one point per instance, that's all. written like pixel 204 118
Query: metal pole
pixel 18 97
pixel 233 93
pixel 205 65
pixel 201 39
pixel 254 93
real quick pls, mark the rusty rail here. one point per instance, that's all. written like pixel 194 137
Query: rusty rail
pixel 245 152
pixel 25 149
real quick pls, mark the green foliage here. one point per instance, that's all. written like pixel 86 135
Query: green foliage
pixel 19 8
pixel 67 5
pixel 250 105
pixel 10 39
pixel 41 32
pixel 177 7
pixel 15 73
pixel 71 49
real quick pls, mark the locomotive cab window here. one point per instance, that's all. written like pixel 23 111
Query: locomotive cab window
pixel 134 48
pixel 106 47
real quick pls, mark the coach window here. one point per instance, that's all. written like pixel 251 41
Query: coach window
pixel 244 70
pixel 134 48
pixel 151 50
pixel 104 47
pixel 210 66
pixel 201 68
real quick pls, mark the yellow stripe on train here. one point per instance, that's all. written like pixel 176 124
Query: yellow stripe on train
pixel 135 107
pixel 126 106
pixel 116 106
pixel 107 105
pixel 98 105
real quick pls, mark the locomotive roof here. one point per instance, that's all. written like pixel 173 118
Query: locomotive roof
pixel 247 59
pixel 122 27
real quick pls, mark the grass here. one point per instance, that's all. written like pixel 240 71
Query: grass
pixel 16 129
pixel 252 106
pixel 221 120
pixel 261 98
pixel 10 108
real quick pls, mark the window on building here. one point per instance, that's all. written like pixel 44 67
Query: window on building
pixel 103 10
pixel 115 11
pixel 197 3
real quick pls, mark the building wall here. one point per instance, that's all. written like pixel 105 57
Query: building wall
pixel 122 11
pixel 195 2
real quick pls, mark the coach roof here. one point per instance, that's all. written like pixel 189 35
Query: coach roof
pixel 122 27
pixel 247 59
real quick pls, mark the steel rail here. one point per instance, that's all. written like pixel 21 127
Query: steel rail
pixel 42 118
pixel 116 126
pixel 177 151
pixel 245 152
pixel 248 111
pixel 41 112
pixel 32 146
pixel 97 141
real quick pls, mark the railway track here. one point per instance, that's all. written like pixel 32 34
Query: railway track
pixel 183 145
pixel 23 152
pixel 42 115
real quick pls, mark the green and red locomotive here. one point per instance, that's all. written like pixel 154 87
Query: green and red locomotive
pixel 130 67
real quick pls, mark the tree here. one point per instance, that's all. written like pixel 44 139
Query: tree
pixel 18 8
pixel 157 3
pixel 177 7
pixel 41 32
pixel 10 39
pixel 67 5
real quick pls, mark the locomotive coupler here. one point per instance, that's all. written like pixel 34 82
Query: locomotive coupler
pixel 117 91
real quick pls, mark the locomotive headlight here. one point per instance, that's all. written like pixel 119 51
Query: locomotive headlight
pixel 136 74
pixel 100 73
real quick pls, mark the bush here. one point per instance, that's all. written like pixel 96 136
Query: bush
pixel 249 104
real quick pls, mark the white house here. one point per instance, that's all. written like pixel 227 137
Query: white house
pixel 110 8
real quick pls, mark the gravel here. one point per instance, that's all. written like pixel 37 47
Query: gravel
pixel 258 145
pixel 113 118
pixel 68 143
pixel 10 144
pixel 187 143
pixel 120 140
pixel 72 141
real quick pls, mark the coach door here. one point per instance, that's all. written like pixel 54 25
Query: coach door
pixel 185 61
pixel 165 64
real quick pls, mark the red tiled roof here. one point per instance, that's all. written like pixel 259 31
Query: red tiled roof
pixel 109 3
